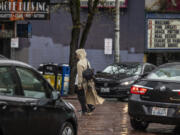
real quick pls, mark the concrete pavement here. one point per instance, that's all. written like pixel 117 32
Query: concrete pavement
pixel 112 118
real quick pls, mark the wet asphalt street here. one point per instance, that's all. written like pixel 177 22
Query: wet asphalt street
pixel 112 118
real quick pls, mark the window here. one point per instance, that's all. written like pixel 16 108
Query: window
pixel 170 73
pixel 32 86
pixel 7 84
pixel 148 68
pixel 128 69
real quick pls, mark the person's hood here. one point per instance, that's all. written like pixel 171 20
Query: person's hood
pixel 81 53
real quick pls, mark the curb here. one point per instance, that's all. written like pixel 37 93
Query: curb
pixel 73 97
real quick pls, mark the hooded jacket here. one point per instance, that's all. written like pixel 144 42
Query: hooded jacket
pixel 87 86
pixel 81 65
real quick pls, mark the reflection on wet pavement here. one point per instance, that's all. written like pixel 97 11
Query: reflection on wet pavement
pixel 112 118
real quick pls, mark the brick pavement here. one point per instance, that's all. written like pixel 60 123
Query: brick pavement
pixel 112 118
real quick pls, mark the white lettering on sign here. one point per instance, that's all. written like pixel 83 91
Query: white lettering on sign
pixel 163 34
pixel 104 3
pixel 24 6
pixel 22 10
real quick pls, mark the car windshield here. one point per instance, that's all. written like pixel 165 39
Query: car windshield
pixel 171 73
pixel 128 69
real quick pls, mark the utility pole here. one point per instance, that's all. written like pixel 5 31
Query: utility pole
pixel 117 33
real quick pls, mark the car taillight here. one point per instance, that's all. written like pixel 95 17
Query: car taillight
pixel 138 90
pixel 178 93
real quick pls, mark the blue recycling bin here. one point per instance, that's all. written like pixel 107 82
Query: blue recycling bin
pixel 65 80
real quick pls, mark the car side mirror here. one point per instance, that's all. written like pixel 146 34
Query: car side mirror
pixel 56 95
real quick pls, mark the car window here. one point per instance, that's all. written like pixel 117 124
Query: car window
pixel 148 68
pixel 129 69
pixel 32 86
pixel 171 73
pixel 7 83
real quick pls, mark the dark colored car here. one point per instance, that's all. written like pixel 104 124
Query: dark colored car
pixel 116 79
pixel 29 105
pixel 156 98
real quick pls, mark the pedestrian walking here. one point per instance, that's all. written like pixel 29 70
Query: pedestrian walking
pixel 87 94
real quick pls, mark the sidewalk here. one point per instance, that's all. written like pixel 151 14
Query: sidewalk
pixel 112 118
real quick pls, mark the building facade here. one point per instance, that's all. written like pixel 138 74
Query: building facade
pixel 51 38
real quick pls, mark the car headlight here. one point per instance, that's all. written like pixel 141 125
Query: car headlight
pixel 127 83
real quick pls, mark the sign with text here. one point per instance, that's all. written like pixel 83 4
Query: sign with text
pixel 163 34
pixel 14 42
pixel 105 3
pixel 162 6
pixel 24 9
pixel 108 46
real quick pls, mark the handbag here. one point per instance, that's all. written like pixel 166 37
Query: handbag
pixel 88 73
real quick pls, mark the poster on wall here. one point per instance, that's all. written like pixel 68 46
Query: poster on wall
pixel 105 3
pixel 163 34
pixel 108 46
pixel 24 10
pixel 14 42
pixel 162 6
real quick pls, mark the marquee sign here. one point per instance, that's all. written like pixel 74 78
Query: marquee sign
pixel 105 3
pixel 163 34
pixel 24 9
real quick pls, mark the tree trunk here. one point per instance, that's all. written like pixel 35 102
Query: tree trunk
pixel 75 14
pixel 91 13
pixel 72 58
pixel 75 35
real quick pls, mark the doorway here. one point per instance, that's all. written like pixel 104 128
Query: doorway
pixel 5 48
pixel 161 58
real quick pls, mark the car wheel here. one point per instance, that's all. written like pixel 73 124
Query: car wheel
pixel 67 129
pixel 177 129
pixel 138 125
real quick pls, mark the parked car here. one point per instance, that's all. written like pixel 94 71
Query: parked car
pixel 116 79
pixel 29 105
pixel 156 98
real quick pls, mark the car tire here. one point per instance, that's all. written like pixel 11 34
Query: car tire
pixel 67 129
pixel 177 129
pixel 138 125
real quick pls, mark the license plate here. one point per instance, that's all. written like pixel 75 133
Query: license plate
pixel 105 90
pixel 159 111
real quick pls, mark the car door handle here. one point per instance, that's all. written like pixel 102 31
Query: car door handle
pixel 4 105
pixel 34 105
